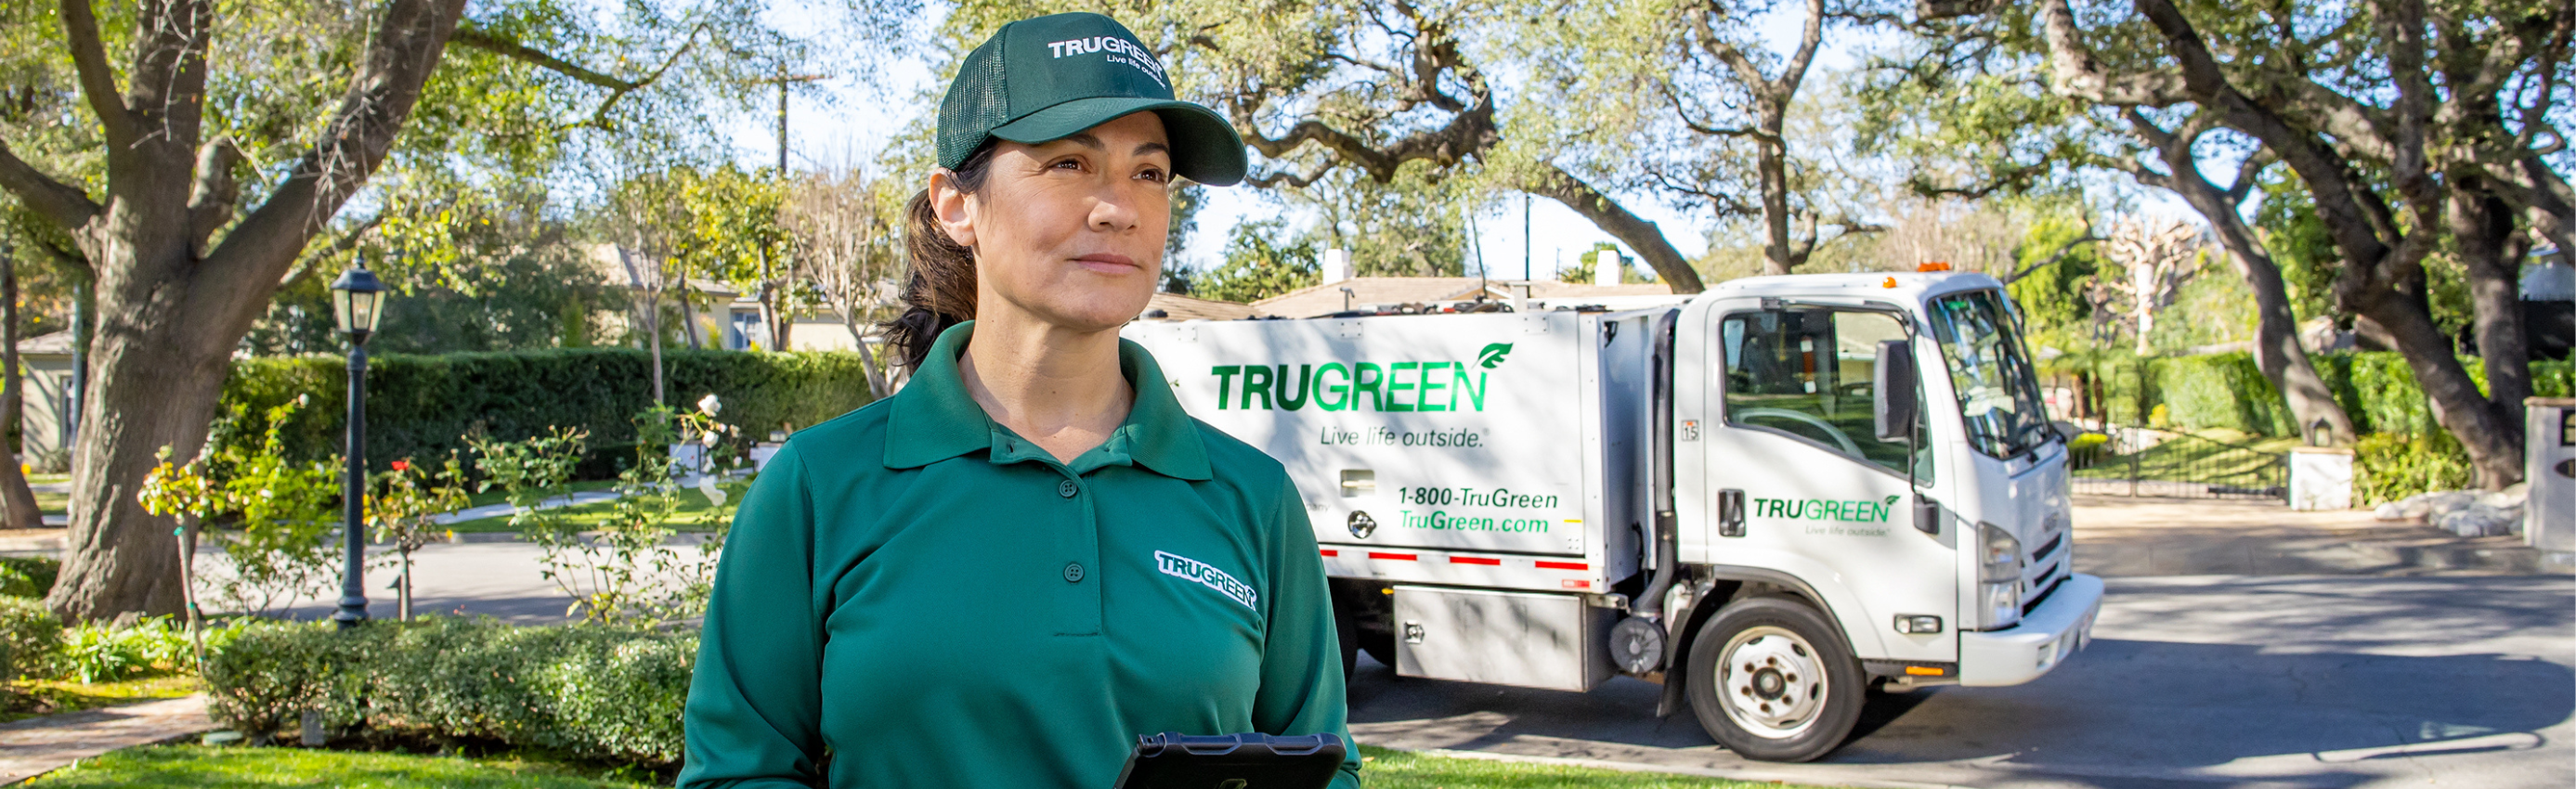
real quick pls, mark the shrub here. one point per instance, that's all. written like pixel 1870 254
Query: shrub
pixel 591 691
pixel 423 406
pixel 2376 388
pixel 2392 466
pixel 28 576
pixel 29 636
pixel 100 652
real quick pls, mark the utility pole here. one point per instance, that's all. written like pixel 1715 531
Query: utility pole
pixel 1525 238
pixel 782 81
pixel 774 318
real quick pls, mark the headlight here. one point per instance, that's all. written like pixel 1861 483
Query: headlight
pixel 1999 563
pixel 1999 556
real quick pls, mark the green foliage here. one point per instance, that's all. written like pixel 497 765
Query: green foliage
pixel 28 576
pixel 424 406
pixel 1261 260
pixel 30 635
pixel 586 690
pixel 2392 466
pixel 269 512
pixel 2051 297
pixel 2226 390
pixel 621 569
pixel 2300 245
pixel 103 652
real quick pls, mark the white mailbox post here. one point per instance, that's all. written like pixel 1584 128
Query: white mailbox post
pixel 2549 509
pixel 2320 478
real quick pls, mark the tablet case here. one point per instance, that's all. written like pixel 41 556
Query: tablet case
pixel 1173 760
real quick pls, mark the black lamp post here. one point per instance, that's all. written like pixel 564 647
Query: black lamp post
pixel 357 300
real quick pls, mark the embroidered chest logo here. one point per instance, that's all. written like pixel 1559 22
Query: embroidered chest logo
pixel 1192 569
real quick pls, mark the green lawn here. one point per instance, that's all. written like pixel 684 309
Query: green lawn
pixel 691 516
pixel 200 766
pixel 28 698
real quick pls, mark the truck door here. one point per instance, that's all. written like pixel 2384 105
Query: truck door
pixel 1821 497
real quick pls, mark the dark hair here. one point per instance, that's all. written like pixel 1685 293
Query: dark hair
pixel 940 292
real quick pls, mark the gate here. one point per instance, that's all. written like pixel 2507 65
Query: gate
pixel 2144 462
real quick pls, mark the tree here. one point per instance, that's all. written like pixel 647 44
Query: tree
pixel 215 166
pixel 848 233
pixel 1262 259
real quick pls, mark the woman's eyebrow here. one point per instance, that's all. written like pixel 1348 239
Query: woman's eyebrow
pixel 1153 147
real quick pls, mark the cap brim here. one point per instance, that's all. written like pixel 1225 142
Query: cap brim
pixel 1204 147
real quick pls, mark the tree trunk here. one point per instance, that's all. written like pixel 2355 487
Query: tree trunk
pixel 1771 161
pixel 2482 230
pixel 2276 338
pixel 18 499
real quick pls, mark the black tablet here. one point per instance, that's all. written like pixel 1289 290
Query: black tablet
pixel 1173 760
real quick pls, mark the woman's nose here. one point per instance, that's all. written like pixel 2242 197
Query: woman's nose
pixel 1114 211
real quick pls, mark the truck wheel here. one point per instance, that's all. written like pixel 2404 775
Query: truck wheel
pixel 1770 679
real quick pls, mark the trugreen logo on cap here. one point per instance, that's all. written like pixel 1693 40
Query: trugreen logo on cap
pixel 1044 79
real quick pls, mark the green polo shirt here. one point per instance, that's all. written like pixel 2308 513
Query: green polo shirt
pixel 915 596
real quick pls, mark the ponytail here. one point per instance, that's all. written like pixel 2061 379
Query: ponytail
pixel 940 292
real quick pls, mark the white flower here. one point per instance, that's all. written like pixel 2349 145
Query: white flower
pixel 708 438
pixel 707 485
pixel 710 405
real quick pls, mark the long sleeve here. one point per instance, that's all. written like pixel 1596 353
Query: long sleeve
pixel 1301 666
pixel 753 715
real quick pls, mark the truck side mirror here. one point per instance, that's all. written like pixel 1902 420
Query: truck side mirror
pixel 1893 384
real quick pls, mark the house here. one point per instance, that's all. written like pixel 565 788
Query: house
pixel 45 375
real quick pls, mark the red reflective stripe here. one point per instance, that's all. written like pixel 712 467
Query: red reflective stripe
pixel 1404 556
pixel 1331 552
pixel 1563 566
pixel 1473 560
pixel 1575 584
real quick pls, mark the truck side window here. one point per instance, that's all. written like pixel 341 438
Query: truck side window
pixel 1807 373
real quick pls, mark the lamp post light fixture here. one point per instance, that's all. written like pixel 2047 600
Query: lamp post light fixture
pixel 357 301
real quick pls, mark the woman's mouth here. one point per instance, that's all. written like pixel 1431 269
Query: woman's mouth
pixel 1106 263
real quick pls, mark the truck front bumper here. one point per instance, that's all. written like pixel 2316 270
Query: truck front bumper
pixel 2044 638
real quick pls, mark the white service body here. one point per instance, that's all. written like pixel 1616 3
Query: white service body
pixel 1494 475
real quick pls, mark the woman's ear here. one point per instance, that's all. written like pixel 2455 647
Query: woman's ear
pixel 953 206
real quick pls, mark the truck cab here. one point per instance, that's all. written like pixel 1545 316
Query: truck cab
pixel 1771 497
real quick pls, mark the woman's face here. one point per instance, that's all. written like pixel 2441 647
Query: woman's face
pixel 1069 232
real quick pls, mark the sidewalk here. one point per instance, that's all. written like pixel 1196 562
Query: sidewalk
pixel 36 746
pixel 2122 536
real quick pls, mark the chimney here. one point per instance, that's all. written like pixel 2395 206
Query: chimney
pixel 1337 265
pixel 1605 269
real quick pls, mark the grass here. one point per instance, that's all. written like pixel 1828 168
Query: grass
pixel 691 516
pixel 28 698
pixel 201 766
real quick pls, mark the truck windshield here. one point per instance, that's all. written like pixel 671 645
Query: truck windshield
pixel 1998 394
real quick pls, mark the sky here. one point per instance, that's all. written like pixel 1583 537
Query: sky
pixel 848 117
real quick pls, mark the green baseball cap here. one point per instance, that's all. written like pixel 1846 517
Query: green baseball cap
pixel 1048 78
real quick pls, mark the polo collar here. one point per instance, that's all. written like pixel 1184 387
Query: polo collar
pixel 934 419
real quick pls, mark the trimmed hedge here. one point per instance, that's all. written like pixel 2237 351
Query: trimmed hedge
pixel 422 406
pixel 2227 390
pixel 590 691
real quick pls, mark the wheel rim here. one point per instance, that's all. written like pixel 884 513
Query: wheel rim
pixel 1772 681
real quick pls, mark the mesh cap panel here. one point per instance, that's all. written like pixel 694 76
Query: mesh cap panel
pixel 978 101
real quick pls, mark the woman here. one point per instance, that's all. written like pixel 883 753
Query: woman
pixel 1002 575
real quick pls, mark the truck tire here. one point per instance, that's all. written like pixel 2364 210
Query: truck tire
pixel 1770 679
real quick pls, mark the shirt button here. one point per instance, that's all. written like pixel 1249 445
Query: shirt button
pixel 1067 489
pixel 1073 572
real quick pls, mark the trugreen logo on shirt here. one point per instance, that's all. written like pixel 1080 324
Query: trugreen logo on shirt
pixel 1210 577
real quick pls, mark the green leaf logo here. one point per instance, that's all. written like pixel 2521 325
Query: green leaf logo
pixel 1493 354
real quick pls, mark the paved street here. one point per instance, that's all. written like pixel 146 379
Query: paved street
pixel 2205 681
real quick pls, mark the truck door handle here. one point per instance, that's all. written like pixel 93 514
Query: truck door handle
pixel 1730 513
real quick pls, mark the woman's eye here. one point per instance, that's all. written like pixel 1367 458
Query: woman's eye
pixel 1067 164
pixel 1156 176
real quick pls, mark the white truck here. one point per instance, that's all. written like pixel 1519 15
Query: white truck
pixel 1751 497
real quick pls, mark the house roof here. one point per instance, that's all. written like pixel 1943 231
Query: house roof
pixel 1373 292
pixel 1184 308
pixel 54 344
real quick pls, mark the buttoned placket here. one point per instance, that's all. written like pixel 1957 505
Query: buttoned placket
pixel 1074 536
